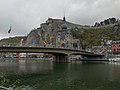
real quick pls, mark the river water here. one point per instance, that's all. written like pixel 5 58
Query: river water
pixel 46 75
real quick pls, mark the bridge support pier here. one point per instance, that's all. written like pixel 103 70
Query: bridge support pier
pixel 60 59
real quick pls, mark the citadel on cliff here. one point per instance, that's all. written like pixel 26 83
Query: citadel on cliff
pixel 54 33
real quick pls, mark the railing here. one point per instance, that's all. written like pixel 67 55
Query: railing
pixel 38 46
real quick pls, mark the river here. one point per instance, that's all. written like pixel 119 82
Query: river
pixel 46 75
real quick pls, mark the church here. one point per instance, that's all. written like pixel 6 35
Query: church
pixel 60 38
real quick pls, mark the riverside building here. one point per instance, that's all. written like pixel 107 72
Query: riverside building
pixel 116 48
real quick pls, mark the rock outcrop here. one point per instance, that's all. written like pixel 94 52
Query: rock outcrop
pixel 88 35
pixel 36 36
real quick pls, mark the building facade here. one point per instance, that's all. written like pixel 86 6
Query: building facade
pixel 116 48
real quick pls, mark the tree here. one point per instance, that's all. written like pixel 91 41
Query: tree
pixel 106 22
pixel 101 23
pixel 112 20
pixel 96 24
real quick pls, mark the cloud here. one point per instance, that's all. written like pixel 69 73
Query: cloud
pixel 24 15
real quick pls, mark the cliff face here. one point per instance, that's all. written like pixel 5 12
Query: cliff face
pixel 37 36
pixel 87 35
pixel 34 38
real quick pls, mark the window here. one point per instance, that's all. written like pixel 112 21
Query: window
pixel 114 50
pixel 114 45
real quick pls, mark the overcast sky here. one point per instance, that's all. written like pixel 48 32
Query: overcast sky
pixel 24 15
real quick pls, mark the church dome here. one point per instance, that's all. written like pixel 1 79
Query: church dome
pixel 64 26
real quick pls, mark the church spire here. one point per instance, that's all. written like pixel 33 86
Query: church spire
pixel 64 17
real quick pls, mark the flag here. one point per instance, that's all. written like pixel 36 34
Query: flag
pixel 60 44
pixel 9 29
pixel 51 37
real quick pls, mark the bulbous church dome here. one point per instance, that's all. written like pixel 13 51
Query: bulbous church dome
pixel 64 26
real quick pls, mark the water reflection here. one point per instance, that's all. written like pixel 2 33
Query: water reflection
pixel 25 66
pixel 70 76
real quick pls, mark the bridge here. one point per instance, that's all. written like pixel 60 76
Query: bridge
pixel 61 54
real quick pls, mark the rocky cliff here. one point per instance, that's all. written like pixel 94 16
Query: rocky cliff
pixel 36 36
pixel 88 35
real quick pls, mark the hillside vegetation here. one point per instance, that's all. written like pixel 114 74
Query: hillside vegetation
pixel 94 36
pixel 12 40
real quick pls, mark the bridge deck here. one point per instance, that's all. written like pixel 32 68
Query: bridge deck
pixel 46 50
